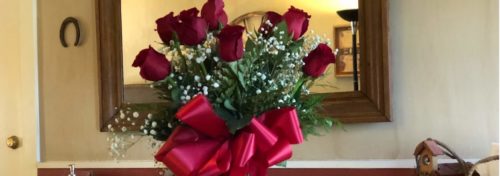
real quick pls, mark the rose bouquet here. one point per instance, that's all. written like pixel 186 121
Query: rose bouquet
pixel 234 106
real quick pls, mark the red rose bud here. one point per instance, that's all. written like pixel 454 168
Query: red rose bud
pixel 154 65
pixel 274 18
pixel 297 21
pixel 165 27
pixel 213 13
pixel 317 61
pixel 231 43
pixel 191 29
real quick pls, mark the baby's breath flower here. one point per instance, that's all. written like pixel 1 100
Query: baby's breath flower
pixel 205 90
pixel 258 91
pixel 215 85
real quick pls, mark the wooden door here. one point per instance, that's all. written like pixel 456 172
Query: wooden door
pixel 18 90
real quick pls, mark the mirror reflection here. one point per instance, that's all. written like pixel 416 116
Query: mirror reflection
pixel 138 30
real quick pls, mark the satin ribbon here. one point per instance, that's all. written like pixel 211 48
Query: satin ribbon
pixel 204 145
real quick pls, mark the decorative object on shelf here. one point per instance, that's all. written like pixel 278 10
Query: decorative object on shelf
pixel 233 108
pixel 343 48
pixel 62 31
pixel 426 154
pixel 71 170
pixel 351 15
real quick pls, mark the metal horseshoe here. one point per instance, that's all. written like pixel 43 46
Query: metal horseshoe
pixel 62 31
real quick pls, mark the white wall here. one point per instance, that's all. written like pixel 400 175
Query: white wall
pixel 444 62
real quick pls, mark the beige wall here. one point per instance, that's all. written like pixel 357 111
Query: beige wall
pixel 18 86
pixel 444 62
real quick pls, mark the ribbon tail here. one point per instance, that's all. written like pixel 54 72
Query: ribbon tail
pixel 258 168
pixel 280 152
pixel 186 157
pixel 219 163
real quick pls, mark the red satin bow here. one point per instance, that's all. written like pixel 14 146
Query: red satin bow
pixel 205 147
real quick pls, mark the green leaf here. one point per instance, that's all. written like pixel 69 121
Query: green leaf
pixel 298 87
pixel 238 74
pixel 249 45
pixel 282 164
pixel 230 91
pixel 233 120
pixel 175 93
pixel 281 32
pixel 328 122
pixel 228 104
pixel 220 26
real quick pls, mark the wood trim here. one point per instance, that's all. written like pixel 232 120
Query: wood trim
pixel 370 104
pixel 272 172
pixel 110 59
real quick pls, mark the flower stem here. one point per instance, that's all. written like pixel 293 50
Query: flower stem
pixel 203 69
pixel 298 86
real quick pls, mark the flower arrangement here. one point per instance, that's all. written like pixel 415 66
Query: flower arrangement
pixel 234 106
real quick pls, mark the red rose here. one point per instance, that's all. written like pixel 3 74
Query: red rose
pixel 231 43
pixel 165 27
pixel 191 29
pixel 297 21
pixel 213 13
pixel 317 61
pixel 274 18
pixel 154 65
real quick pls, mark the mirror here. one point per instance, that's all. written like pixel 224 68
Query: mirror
pixel 121 84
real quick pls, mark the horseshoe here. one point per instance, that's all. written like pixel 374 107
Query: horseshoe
pixel 62 31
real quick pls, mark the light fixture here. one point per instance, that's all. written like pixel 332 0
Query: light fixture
pixel 351 15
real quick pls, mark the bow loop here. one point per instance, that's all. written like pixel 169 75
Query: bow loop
pixel 179 156
pixel 264 137
pixel 220 163
pixel 199 114
pixel 285 123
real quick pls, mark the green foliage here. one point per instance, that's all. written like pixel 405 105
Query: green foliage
pixel 310 118
pixel 268 76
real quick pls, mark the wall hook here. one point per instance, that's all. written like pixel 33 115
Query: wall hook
pixel 62 31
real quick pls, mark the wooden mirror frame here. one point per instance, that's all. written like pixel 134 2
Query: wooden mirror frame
pixel 370 104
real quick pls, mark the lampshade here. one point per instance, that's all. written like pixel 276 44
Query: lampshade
pixel 349 14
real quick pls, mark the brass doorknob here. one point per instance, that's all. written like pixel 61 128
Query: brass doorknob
pixel 13 142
